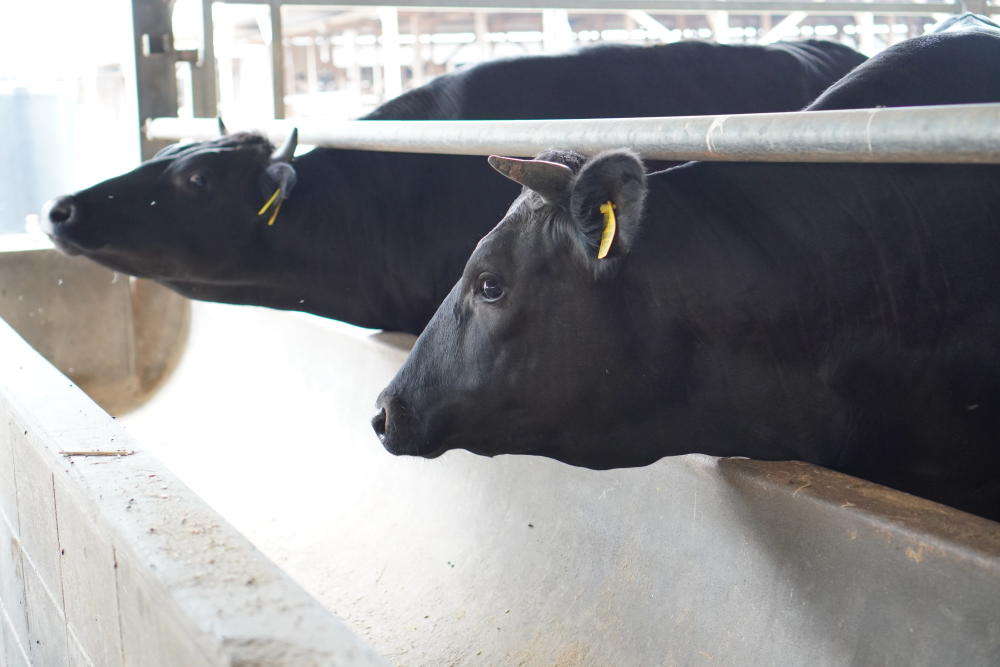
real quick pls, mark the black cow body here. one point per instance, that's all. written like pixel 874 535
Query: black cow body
pixel 377 239
pixel 845 315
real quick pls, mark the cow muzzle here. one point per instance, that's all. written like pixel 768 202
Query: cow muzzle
pixel 56 215
pixel 395 427
pixel 60 211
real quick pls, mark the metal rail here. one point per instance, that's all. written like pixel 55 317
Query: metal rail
pixel 934 134
pixel 659 6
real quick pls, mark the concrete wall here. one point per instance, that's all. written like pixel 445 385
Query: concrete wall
pixel 111 560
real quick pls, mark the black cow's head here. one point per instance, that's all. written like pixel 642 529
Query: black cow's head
pixel 529 353
pixel 168 218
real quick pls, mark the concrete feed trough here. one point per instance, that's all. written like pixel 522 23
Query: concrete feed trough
pixel 112 560
pixel 518 560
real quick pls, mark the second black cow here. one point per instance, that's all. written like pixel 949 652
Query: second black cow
pixel 845 315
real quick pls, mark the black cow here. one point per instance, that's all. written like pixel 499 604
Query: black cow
pixel 842 314
pixel 377 239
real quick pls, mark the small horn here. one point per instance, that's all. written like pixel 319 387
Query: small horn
pixel 287 149
pixel 549 179
pixel 222 126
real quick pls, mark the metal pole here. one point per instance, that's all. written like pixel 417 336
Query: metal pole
pixel 277 60
pixel 203 72
pixel 958 133
pixel 154 65
pixel 392 70
pixel 867 44
pixel 719 23
pixel 557 35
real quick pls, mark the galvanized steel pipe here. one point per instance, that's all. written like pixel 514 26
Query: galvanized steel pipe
pixel 958 133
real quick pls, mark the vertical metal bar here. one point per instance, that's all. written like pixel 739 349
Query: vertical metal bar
pixel 765 23
pixel 392 73
pixel 418 50
pixel 557 35
pixel 719 22
pixel 203 73
pixel 480 26
pixel 865 23
pixel 156 80
pixel 277 60
pixel 353 66
pixel 312 68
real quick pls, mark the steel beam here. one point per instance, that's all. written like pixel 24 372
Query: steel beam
pixel 660 6
pixel 958 133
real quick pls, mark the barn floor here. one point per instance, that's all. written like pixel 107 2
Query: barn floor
pixel 516 560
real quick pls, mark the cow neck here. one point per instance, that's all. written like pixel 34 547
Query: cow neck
pixel 779 273
pixel 717 251
pixel 335 216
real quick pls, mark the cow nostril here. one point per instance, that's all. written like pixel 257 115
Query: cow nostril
pixel 61 210
pixel 378 423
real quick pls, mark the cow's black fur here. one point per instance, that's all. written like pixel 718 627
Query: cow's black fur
pixel 841 314
pixel 376 239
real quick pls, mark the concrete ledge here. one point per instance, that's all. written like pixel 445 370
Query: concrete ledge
pixel 110 560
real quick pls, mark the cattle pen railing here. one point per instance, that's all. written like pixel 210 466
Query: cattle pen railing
pixel 156 59
pixel 953 134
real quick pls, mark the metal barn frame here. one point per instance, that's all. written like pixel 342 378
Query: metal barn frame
pixel 156 57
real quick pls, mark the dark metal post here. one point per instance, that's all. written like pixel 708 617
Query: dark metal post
pixel 156 80
pixel 203 75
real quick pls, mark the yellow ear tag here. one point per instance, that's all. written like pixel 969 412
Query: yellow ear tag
pixel 267 205
pixel 608 235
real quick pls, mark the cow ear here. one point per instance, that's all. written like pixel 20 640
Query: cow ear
pixel 276 183
pixel 607 203
pixel 279 174
pixel 551 180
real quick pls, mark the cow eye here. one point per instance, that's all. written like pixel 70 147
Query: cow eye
pixel 490 287
pixel 198 180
